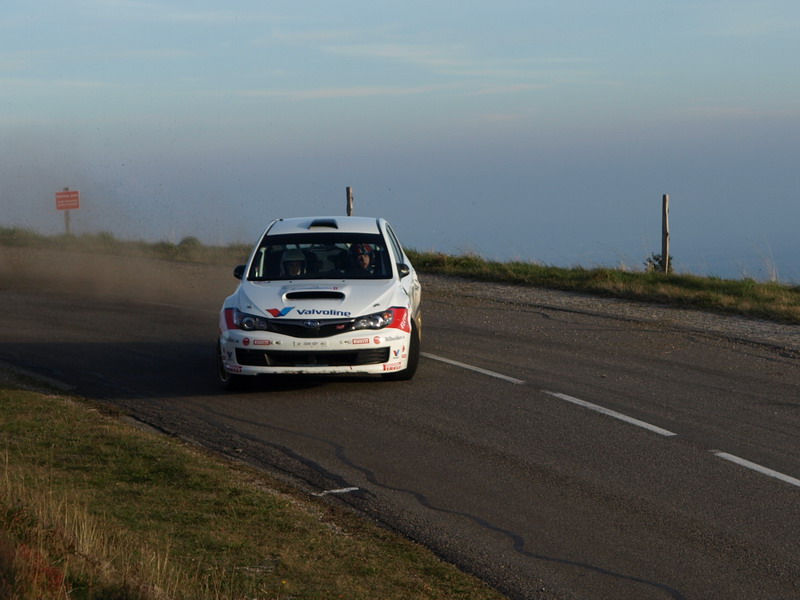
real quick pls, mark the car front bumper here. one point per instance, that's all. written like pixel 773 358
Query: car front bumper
pixel 364 351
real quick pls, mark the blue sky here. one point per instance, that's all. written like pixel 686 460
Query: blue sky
pixel 546 131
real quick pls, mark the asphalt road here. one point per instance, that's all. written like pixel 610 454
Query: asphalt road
pixel 554 453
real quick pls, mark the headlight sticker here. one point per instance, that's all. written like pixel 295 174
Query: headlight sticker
pixel 401 320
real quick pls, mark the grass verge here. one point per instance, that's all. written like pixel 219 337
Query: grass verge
pixel 93 508
pixel 770 300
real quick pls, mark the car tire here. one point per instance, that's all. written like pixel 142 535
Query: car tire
pixel 227 380
pixel 413 358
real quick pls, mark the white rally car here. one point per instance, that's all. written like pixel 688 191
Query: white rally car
pixel 322 295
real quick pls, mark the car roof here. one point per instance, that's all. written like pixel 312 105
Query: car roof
pixel 330 224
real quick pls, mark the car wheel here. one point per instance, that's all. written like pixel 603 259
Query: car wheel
pixel 229 381
pixel 413 358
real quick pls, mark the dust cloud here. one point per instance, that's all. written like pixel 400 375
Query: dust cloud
pixel 113 277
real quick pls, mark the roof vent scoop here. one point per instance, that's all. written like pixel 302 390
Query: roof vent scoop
pixel 330 223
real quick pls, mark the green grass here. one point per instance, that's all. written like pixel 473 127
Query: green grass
pixel 767 300
pixel 92 508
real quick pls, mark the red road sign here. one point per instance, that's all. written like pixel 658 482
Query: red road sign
pixel 68 200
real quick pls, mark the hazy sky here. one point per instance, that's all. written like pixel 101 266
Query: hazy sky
pixel 543 130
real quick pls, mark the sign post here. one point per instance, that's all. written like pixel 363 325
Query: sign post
pixel 665 233
pixel 349 201
pixel 68 200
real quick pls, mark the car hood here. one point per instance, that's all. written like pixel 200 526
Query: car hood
pixel 319 299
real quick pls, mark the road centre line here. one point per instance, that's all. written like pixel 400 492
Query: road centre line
pixel 724 455
pixel 756 467
pixel 473 368
pixel 611 413
pixel 630 420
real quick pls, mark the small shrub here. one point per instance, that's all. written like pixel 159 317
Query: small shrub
pixel 189 243
pixel 16 236
pixel 655 262
pixel 165 250
pixel 190 248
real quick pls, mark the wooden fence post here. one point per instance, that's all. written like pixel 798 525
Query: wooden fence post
pixel 665 233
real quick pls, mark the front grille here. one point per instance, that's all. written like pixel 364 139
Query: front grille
pixel 316 358
pixel 300 328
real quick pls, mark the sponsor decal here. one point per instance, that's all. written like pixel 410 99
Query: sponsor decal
pixel 310 312
pixel 230 321
pixel 401 320
pixel 246 341
pixel 310 344
pixel 233 368
pixel 376 339
pixel 262 342
pixel 392 338
pixel 357 341
pixel 314 287
pixel 396 353
pixel 326 312
pixel 392 366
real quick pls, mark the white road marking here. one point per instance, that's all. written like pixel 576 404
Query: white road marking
pixel 616 415
pixel 756 467
pixel 612 413
pixel 339 491
pixel 472 368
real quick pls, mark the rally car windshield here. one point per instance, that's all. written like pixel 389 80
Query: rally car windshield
pixel 320 256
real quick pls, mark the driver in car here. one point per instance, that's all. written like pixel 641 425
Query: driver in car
pixel 293 263
pixel 363 258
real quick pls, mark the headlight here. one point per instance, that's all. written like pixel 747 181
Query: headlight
pixel 375 321
pixel 236 319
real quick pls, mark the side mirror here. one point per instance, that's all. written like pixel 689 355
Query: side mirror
pixel 403 269
pixel 238 271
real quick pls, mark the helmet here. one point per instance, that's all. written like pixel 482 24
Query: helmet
pixel 357 249
pixel 290 256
